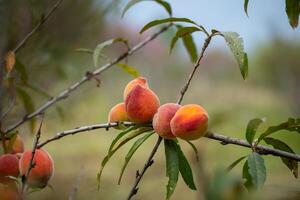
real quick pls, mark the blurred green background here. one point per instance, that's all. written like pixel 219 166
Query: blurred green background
pixel 272 91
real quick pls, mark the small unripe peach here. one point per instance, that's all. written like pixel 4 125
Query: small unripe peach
pixel 9 166
pixel 17 146
pixel 118 113
pixel 161 120
pixel 141 104
pixel 137 81
pixel 42 170
pixel 189 122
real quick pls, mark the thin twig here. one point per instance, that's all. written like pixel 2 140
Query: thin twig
pixel 65 93
pixel 31 163
pixel 83 129
pixel 185 87
pixel 139 175
pixel 37 27
pixel 264 150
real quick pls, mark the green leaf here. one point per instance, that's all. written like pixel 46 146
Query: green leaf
pixel 246 6
pixel 292 124
pixel 120 135
pixel 101 46
pixel 277 144
pixel 113 151
pixel 167 20
pixel 164 4
pixel 257 169
pixel 246 175
pixel 131 151
pixel 130 70
pixel 194 149
pixel 172 166
pixel 292 8
pixel 190 46
pixel 83 50
pixel 232 165
pixel 28 105
pixel 252 128
pixel 235 43
pixel 182 31
pixel 20 68
pixel 184 168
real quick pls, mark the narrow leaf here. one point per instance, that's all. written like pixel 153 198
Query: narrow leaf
pixel 190 46
pixel 246 6
pixel 257 169
pixel 182 31
pixel 292 8
pixel 131 151
pixel 246 175
pixel 172 166
pixel 292 125
pixel 10 60
pixel 232 165
pixel 164 4
pixel 185 169
pixel 235 43
pixel 194 149
pixel 277 144
pixel 113 151
pixel 167 20
pixel 130 70
pixel 252 128
pixel 28 104
pixel 83 50
pixel 20 68
pixel 101 46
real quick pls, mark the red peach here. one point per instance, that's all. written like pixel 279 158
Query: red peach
pixel 17 147
pixel 9 192
pixel 141 104
pixel 8 167
pixel 42 170
pixel 137 81
pixel 161 120
pixel 190 122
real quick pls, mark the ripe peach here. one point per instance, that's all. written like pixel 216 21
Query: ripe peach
pixel 8 167
pixel 189 122
pixel 141 104
pixel 42 171
pixel 161 120
pixel 118 113
pixel 17 147
pixel 137 81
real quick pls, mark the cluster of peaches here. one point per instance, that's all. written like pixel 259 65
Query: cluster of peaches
pixel 171 120
pixel 15 163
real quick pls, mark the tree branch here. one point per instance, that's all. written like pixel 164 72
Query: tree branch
pixel 31 163
pixel 65 93
pixel 37 27
pixel 261 149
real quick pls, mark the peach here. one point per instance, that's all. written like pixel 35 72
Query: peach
pixel 42 170
pixel 141 104
pixel 189 122
pixel 137 81
pixel 9 192
pixel 8 167
pixel 118 113
pixel 17 146
pixel 161 120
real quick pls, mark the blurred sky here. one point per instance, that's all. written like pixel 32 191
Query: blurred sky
pixel 266 17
